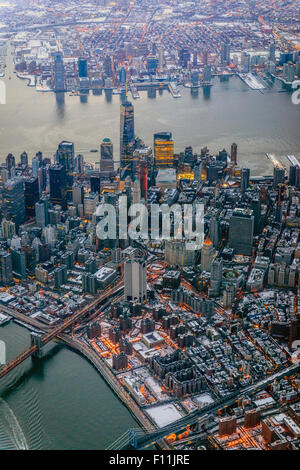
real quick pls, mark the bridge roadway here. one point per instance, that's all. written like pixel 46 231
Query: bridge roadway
pixel 192 418
pixel 56 330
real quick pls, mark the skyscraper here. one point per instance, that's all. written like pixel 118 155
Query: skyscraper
pixel 216 277
pixel 6 276
pixel 225 53
pixel 241 229
pixel 215 231
pixel 233 153
pixel 14 200
pixel 59 72
pixel 106 156
pixel 65 156
pixel 207 255
pixel 41 212
pixel 163 149
pixel 126 133
pixel 58 185
pixel 135 280
pixel 10 163
pixel 279 176
pixel 245 177
pixel 31 195
pixel 82 67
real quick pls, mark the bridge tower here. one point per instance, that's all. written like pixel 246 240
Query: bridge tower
pixel 36 340
pixel 133 438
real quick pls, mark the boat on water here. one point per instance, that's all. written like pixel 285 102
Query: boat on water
pixel 93 150
pixel 4 319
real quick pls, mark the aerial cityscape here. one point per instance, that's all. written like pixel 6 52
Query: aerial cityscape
pixel 150 225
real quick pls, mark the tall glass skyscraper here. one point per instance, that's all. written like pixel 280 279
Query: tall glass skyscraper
pixel 14 200
pixel 59 72
pixel 126 133
pixel 106 156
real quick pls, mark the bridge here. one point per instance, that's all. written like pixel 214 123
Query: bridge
pixel 142 438
pixel 40 341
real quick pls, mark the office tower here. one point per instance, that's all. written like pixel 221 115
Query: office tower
pixel 107 65
pixel 163 149
pixel 272 53
pixel 215 231
pixel 233 153
pixel 184 58
pixel 77 194
pixel 207 255
pixel 241 230
pixel 143 179
pixel 152 64
pixel 216 277
pixel 18 260
pixel 225 53
pixel 207 73
pixel 136 193
pixel 14 200
pixel 106 156
pixel 161 59
pixel 256 207
pixel 89 283
pixel 126 133
pixel 35 166
pixel 245 179
pixel 78 163
pixel 122 76
pixel 289 71
pixel 176 254
pixel 246 62
pixel 8 228
pixel 58 185
pixel 294 178
pixel 279 176
pixel 135 280
pixel 31 195
pixel 120 361
pixel 24 159
pixel 41 212
pixel 194 77
pixel 82 67
pixel 6 276
pixel 95 183
pixel 59 72
pixel 60 276
pixel 10 163
pixel 228 295
pixel 91 201
pixel 65 155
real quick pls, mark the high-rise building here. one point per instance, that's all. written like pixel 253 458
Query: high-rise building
pixel 59 72
pixel 77 193
pixel 233 153
pixel 58 185
pixel 10 163
pixel 31 195
pixel 207 255
pixel 152 64
pixel 245 178
pixel 8 228
pixel 18 260
pixel 216 277
pixel 176 254
pixel 126 133
pixel 24 159
pixel 60 276
pixel 225 53
pixel 106 156
pixel 241 230
pixel 41 212
pixel 279 176
pixel 82 67
pixel 272 53
pixel 215 231
pixel 35 167
pixel 163 149
pixel 6 276
pixel 135 280
pixel 14 200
